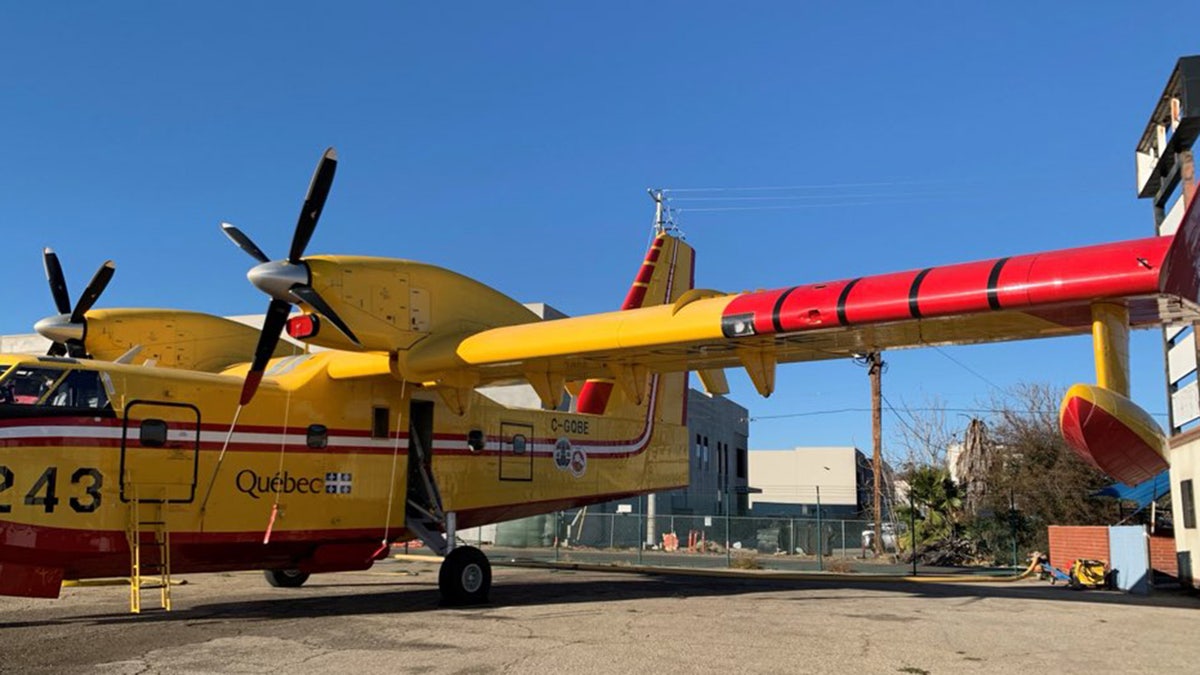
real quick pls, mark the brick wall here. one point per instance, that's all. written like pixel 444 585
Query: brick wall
pixel 1071 542
pixel 1162 555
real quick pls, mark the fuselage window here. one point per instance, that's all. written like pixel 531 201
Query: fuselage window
pixel 379 423
pixel 475 440
pixel 317 437
pixel 153 433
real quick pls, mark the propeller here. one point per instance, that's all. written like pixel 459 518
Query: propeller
pixel 68 328
pixel 288 281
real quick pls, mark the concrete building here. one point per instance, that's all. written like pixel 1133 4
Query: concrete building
pixel 719 430
pixel 1166 175
pixel 793 482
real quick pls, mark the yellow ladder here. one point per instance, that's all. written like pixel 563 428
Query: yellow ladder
pixel 158 562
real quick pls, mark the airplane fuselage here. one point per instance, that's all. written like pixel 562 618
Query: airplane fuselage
pixel 315 475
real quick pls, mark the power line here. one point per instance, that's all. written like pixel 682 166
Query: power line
pixel 970 370
pixel 906 425
pixel 892 195
pixel 810 186
pixel 790 207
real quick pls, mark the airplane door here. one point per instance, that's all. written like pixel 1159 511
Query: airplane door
pixel 160 444
pixel 516 451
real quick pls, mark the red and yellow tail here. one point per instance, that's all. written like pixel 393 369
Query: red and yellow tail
pixel 667 272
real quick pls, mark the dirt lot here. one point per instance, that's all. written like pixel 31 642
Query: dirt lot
pixel 388 620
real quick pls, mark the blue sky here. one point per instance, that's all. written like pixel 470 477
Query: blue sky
pixel 514 142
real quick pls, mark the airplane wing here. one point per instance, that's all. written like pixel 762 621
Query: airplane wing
pixel 1018 297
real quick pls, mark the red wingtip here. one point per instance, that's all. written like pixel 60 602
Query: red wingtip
pixel 251 386
pixel 1112 433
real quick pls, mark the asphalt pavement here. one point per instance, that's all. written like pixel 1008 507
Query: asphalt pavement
pixel 389 620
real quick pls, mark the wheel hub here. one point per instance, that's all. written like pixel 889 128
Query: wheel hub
pixel 472 578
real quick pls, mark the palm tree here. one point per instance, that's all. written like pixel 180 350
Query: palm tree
pixel 934 505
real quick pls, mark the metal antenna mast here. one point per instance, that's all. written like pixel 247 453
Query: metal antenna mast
pixel 659 222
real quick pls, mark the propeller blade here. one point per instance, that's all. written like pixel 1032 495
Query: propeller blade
pixel 57 349
pixel 93 290
pixel 273 323
pixel 310 296
pixel 244 242
pixel 58 283
pixel 314 203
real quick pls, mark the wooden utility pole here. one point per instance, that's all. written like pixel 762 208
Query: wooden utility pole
pixel 875 369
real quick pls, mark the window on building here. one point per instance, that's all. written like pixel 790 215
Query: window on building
pixel 742 461
pixel 1187 503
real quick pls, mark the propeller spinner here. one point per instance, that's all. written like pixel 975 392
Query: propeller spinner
pixel 288 281
pixel 68 328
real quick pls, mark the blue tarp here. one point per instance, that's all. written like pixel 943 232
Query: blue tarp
pixel 1142 493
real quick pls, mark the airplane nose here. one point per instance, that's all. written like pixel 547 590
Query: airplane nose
pixel 59 328
pixel 276 278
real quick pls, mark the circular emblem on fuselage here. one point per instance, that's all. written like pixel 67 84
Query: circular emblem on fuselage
pixel 562 454
pixel 578 462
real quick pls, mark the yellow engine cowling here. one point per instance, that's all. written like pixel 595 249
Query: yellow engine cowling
pixel 392 305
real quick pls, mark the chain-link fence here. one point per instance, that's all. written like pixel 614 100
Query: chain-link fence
pixel 583 536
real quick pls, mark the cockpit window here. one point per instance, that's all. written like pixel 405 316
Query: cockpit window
pixel 79 389
pixel 29 386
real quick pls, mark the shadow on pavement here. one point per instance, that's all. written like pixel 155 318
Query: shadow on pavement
pixel 328 598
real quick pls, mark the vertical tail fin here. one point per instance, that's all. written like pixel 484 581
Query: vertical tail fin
pixel 667 272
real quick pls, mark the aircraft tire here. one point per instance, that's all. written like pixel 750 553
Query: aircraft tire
pixel 465 577
pixel 286 578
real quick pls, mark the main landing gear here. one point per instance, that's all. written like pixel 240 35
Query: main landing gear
pixel 286 578
pixel 465 577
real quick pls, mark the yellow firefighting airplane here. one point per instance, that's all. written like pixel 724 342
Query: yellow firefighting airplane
pixel 144 445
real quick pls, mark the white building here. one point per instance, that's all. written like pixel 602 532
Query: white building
pixel 794 482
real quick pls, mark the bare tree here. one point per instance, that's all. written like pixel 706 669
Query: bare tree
pixel 924 434
pixel 1033 478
